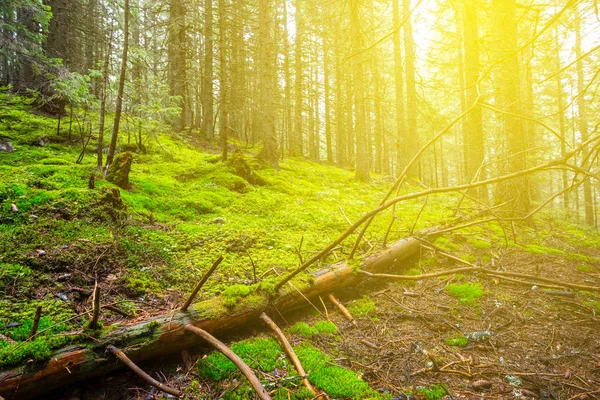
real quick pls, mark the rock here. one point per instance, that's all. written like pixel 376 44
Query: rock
pixel 6 146
pixel 118 172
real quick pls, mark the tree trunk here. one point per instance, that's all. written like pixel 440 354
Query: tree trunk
pixel 207 77
pixel 119 105
pixel 296 146
pixel 223 83
pixel 412 142
pixel 165 334
pixel 105 76
pixel 583 122
pixel 267 82
pixel 508 99
pixel 400 139
pixel 361 127
pixel 473 128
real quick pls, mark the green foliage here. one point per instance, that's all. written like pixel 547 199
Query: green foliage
pixel 338 382
pixel 325 327
pixel 303 329
pixel 434 392
pixel 301 393
pixel 38 349
pixel 362 307
pixel 593 304
pixel 457 340
pixel 585 268
pixel 234 292
pixel 318 328
pixel 258 353
pixel 480 244
pixel 467 293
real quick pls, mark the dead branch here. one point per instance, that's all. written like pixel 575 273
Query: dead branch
pixel 36 321
pixel 242 366
pixel 367 216
pixel 139 372
pixel 341 307
pixel 289 351
pixel 201 283
pixel 96 308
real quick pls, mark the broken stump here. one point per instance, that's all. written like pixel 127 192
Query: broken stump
pixel 118 171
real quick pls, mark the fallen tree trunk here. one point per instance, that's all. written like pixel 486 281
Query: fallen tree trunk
pixel 165 334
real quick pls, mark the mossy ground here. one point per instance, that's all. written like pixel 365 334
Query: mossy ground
pixel 184 209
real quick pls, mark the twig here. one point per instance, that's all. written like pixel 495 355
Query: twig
pixel 201 283
pixel 36 321
pixel 117 310
pixel 341 307
pixel 253 266
pixel 138 371
pixel 243 367
pixel 289 351
pixel 96 310
pixel 324 308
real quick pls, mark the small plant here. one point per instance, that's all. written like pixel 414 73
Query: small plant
pixel 457 340
pixel 434 392
pixel 467 293
pixel 326 327
pixel 585 268
pixel 324 373
pixel 362 307
pixel 259 353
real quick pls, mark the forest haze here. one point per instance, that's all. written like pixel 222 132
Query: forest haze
pixel 408 187
pixel 362 84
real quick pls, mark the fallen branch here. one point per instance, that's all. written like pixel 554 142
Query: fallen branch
pixel 242 366
pixel 96 310
pixel 36 321
pixel 165 334
pixel 289 351
pixel 410 196
pixel 201 283
pixel 341 307
pixel 138 371
pixel 485 271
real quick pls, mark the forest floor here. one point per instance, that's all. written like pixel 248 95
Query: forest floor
pixel 185 208
pixel 454 337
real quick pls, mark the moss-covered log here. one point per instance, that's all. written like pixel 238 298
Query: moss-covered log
pixel 165 334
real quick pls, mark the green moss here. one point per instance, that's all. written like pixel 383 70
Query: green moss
pixel 480 244
pixel 326 327
pixel 234 292
pixel 362 307
pixel 434 392
pixel 467 293
pixel 338 382
pixel 258 353
pixel 457 340
pixel 303 329
pixel 301 393
pixel 585 268
pixel 594 304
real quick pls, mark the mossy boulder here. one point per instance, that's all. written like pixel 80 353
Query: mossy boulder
pixel 118 172
pixel 6 146
pixel 243 169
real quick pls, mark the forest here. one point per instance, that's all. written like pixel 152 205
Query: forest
pixel 299 199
